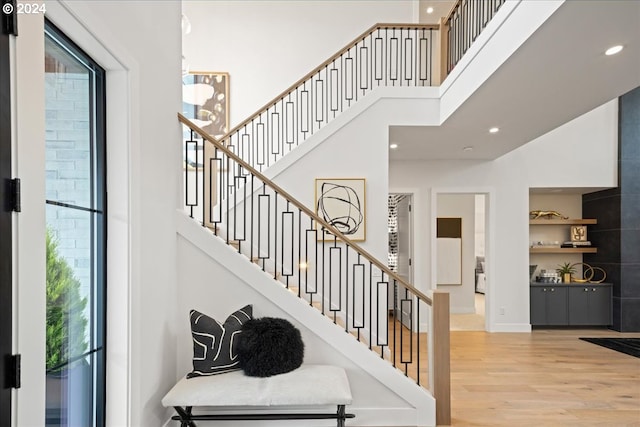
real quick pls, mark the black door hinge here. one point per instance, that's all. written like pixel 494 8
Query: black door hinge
pixel 13 371
pixel 9 17
pixel 15 195
pixel 409 261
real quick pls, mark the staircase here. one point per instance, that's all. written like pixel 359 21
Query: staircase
pixel 398 55
pixel 310 258
pixel 305 253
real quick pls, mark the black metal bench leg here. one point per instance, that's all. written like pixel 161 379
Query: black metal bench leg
pixel 341 416
pixel 185 416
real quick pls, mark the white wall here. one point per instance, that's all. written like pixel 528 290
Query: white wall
pixel 461 298
pixel 267 46
pixel 480 218
pixel 220 281
pixel 340 156
pixel 590 142
pixel 139 45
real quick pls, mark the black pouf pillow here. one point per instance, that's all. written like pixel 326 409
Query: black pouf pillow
pixel 269 346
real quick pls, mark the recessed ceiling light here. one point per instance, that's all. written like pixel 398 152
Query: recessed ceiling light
pixel 613 50
pixel 494 130
pixel 467 148
pixel 556 190
pixel 393 146
pixel 429 10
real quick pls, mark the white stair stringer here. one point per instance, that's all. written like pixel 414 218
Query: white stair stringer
pixel 375 382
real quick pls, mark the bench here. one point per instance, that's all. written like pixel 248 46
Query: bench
pixel 306 387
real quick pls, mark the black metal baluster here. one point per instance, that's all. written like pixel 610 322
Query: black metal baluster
pixel 338 89
pixel 409 329
pixel 371 304
pixel 346 288
pixel 306 260
pixel 326 106
pixel 315 245
pixel 262 198
pixel 187 202
pixel 382 282
pixel 418 339
pixel 275 236
pixel 242 238
pixel 358 326
pixel 252 216
pixel 227 172
pixel 200 171
pixel 395 321
pixel 287 214
pixel 306 256
pixel 215 181
pixel 322 293
pixel 330 279
pixel 430 58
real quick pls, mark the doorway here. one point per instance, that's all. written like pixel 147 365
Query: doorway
pixel 401 251
pixel 468 295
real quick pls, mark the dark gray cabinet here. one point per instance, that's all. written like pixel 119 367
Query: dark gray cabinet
pixel 590 305
pixel 549 305
pixel 570 304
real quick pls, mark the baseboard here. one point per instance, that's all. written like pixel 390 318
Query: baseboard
pixel 463 310
pixel 510 327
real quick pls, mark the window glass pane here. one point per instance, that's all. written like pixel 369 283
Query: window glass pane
pixel 69 316
pixel 75 155
pixel 68 127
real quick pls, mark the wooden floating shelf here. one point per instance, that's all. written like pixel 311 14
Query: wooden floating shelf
pixel 543 221
pixel 555 250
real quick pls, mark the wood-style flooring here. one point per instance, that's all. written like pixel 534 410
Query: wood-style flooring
pixel 545 378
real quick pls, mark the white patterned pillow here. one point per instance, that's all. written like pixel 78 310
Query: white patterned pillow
pixel 214 343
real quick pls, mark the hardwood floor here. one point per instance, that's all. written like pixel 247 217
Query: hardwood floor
pixel 546 378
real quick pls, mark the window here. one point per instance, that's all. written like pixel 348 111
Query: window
pixel 76 234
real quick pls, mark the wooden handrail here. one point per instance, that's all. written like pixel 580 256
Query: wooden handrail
pixel 323 65
pixel 303 208
pixel 453 9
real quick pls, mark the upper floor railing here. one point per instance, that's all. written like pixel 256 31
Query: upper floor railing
pixel 460 27
pixel 384 55
pixel 310 257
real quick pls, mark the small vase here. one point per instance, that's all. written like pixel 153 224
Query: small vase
pixel 566 278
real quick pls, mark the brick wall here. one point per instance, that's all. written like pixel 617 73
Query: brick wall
pixel 68 168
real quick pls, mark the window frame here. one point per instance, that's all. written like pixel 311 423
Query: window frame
pixel 98 210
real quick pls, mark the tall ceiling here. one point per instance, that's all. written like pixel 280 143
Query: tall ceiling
pixel 432 10
pixel 558 74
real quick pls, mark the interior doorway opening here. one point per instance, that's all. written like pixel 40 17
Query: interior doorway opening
pixel 400 254
pixel 470 292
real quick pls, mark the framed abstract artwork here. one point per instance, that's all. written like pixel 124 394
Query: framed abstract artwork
pixel 205 101
pixel 341 202
pixel 449 251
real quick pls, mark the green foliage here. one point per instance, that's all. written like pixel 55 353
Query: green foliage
pixel 66 321
pixel 566 268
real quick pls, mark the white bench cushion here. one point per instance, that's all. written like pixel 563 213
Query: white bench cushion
pixel 307 385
